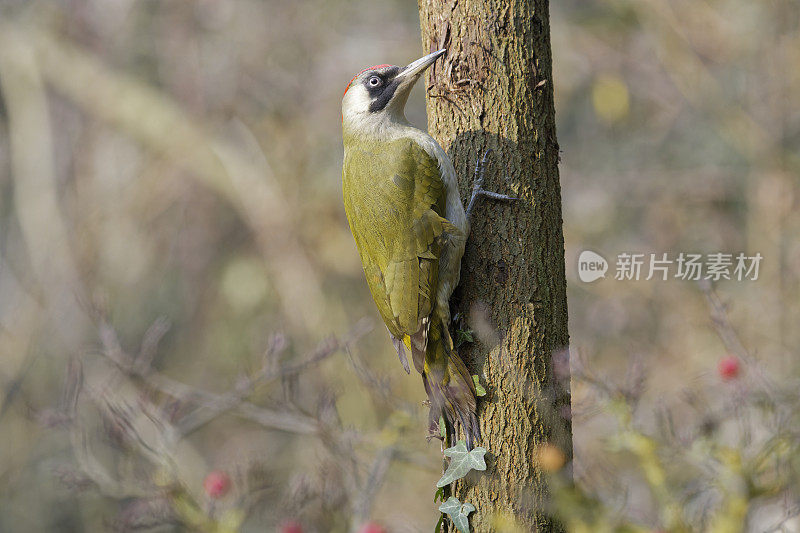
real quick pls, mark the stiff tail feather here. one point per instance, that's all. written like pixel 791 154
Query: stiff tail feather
pixel 450 388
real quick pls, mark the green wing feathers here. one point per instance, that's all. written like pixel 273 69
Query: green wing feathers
pixel 402 277
pixel 394 201
pixel 394 197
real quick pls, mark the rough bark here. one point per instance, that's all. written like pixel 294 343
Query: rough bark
pixel 493 89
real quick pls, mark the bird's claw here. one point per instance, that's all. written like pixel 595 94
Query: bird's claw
pixel 495 195
pixel 477 187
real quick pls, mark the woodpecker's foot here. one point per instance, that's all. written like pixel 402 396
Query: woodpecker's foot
pixel 477 187
pixel 433 432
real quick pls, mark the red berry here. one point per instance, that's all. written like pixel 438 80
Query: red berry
pixel 371 527
pixel 217 484
pixel 728 367
pixel 291 526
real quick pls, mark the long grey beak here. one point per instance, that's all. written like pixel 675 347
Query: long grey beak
pixel 419 66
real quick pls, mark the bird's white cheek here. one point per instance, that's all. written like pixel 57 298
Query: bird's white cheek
pixel 356 101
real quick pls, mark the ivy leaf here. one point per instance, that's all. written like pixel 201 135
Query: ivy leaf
pixel 479 390
pixel 464 335
pixel 461 462
pixel 438 495
pixel 458 513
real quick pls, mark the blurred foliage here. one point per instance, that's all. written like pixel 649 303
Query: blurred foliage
pixel 731 467
pixel 169 189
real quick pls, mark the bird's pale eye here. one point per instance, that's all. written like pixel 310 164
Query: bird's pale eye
pixel 374 81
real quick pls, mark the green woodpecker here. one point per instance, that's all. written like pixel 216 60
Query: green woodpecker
pixel 402 202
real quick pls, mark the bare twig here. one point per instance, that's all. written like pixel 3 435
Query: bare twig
pixel 375 478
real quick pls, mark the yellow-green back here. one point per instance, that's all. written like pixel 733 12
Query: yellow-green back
pixel 394 199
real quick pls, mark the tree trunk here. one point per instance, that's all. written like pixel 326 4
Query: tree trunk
pixel 493 90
